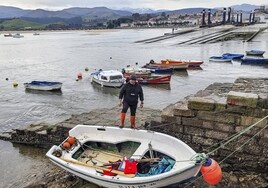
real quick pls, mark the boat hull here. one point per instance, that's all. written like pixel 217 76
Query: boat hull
pixel 174 179
pixel 193 63
pixel 108 78
pixel 43 86
pixel 127 75
pixel 165 79
pixel 175 66
pixel 219 59
pixel 255 52
pixel 160 70
pixel 232 56
pixel 254 61
pixel 108 83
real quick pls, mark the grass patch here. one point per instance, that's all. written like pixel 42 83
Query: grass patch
pixel 20 25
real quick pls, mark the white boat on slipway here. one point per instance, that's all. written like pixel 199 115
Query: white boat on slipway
pixel 108 78
pixel 161 160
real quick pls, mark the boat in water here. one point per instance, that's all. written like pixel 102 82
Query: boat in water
pixel 159 69
pixel 154 79
pixel 17 35
pixel 138 71
pixel 232 56
pixel 254 61
pixel 43 86
pixel 219 59
pixel 119 158
pixel 174 66
pixel 8 35
pixel 191 63
pixel 108 78
pixel 255 52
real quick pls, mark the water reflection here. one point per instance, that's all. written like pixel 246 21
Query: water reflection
pixel 106 90
pixel 181 73
pixel 223 62
pixel 20 164
pixel 159 86
pixel 28 151
pixel 58 92
pixel 255 64
pixel 194 68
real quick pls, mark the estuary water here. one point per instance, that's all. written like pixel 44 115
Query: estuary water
pixel 60 56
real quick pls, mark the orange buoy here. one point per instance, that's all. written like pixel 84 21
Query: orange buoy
pixel 79 75
pixel 66 145
pixel 211 172
pixel 71 140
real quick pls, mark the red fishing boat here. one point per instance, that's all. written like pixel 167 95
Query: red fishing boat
pixel 154 79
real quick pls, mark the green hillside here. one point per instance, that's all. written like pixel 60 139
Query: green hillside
pixel 20 24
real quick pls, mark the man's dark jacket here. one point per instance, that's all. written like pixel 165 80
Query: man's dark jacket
pixel 131 93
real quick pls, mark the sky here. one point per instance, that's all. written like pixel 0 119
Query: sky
pixel 118 4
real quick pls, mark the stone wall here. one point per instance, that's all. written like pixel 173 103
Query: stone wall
pixel 43 135
pixel 220 111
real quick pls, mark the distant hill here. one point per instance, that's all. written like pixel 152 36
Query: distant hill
pixel 140 10
pixel 190 11
pixel 98 12
pixel 40 13
pixel 11 12
pixel 245 7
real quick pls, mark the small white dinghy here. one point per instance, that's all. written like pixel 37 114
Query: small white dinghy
pixel 108 78
pixel 119 158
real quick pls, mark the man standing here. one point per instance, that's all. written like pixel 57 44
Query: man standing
pixel 129 98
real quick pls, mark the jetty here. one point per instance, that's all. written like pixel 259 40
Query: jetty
pixel 256 33
pixel 246 33
pixel 169 36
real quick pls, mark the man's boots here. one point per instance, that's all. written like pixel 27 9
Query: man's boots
pixel 132 122
pixel 122 119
